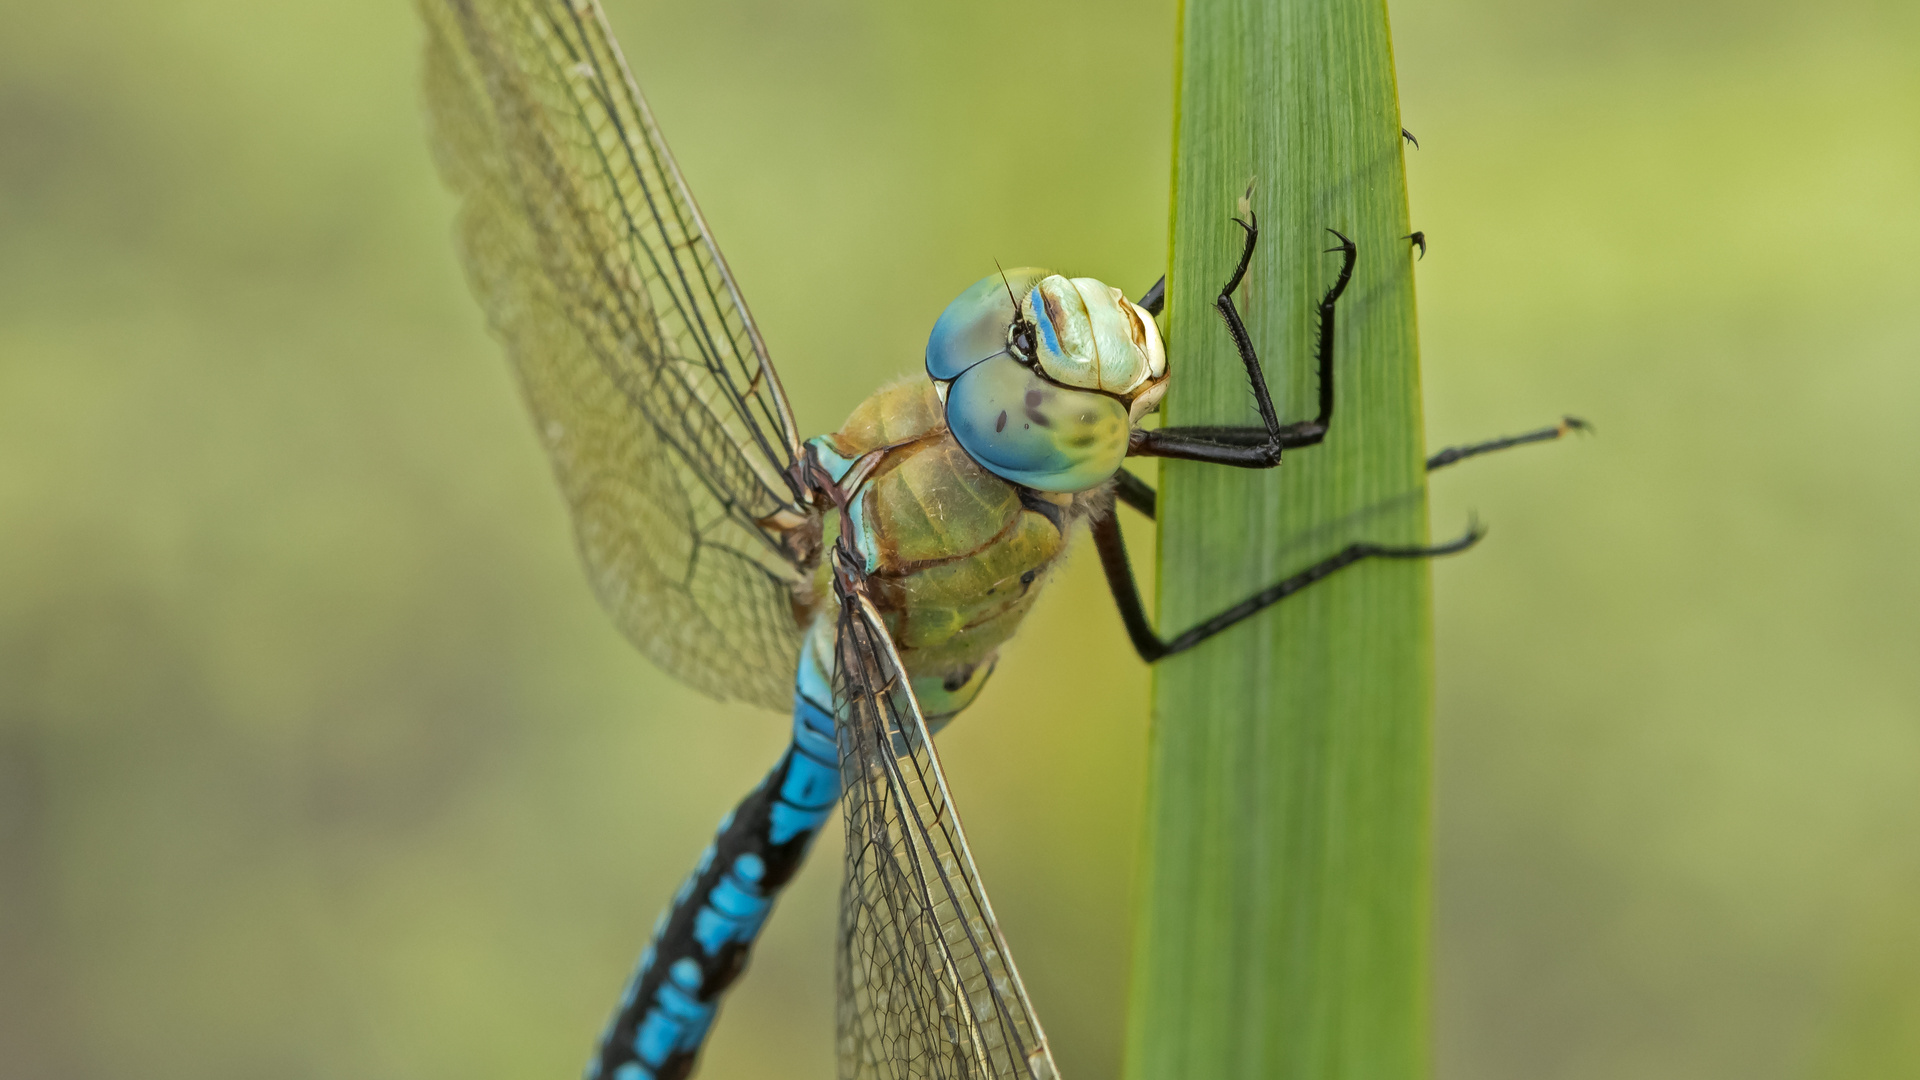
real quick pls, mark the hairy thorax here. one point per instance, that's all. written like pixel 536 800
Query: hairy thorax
pixel 956 556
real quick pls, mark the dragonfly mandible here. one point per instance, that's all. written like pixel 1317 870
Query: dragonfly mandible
pixel 863 580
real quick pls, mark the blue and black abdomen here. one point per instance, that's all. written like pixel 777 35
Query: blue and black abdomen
pixel 701 942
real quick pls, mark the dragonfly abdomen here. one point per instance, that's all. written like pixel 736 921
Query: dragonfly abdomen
pixel 701 943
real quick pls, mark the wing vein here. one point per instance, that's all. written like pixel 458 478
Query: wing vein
pixel 637 363
pixel 688 315
pixel 928 987
pixel 688 311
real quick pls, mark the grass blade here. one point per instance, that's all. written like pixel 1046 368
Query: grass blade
pixel 1285 898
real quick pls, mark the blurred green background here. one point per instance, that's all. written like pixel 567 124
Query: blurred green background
pixel 318 760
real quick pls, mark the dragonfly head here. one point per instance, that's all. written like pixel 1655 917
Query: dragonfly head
pixel 1044 376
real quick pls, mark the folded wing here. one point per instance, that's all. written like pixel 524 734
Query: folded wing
pixel 927 988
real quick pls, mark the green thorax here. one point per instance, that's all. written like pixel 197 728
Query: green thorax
pixel 955 555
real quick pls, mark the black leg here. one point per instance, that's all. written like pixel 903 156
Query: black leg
pixel 1408 135
pixel 1149 644
pixel 1460 453
pixel 1156 297
pixel 1134 491
pixel 1419 240
pixel 1256 447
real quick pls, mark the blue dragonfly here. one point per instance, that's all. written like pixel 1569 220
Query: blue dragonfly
pixel 862 581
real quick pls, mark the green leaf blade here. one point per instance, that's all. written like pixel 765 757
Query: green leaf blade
pixel 1284 923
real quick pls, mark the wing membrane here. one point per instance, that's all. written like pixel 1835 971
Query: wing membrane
pixel 649 386
pixel 927 988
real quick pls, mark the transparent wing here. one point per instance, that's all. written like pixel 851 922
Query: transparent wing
pixel 649 385
pixel 927 987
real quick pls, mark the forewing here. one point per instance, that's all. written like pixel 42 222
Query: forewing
pixel 927 988
pixel 648 383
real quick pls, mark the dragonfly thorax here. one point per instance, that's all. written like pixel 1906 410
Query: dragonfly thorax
pixel 954 554
pixel 1044 376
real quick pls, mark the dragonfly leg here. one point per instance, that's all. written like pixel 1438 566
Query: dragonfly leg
pixel 1260 447
pixel 1151 646
pixel 1546 434
pixel 1156 297
pixel 1134 491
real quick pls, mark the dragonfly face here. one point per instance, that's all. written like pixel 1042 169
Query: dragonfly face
pixel 1043 376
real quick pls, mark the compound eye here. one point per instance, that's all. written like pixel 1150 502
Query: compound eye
pixel 1022 428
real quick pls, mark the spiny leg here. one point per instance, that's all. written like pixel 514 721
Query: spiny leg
pixel 1547 434
pixel 1135 492
pixel 1244 446
pixel 1151 646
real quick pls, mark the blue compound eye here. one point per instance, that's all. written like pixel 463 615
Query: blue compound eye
pixel 1025 429
pixel 984 321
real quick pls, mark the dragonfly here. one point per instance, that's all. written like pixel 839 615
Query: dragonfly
pixel 863 581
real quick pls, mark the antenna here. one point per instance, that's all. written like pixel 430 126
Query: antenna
pixel 1020 334
pixel 1009 285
